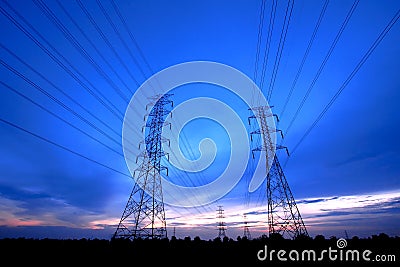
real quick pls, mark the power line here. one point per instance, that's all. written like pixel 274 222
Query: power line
pixel 116 31
pixel 281 45
pixel 47 110
pixel 253 91
pixel 327 56
pixel 321 15
pixel 120 37
pixel 58 117
pixel 185 139
pixel 105 39
pixel 94 46
pixel 184 135
pixel 61 146
pixel 268 42
pixel 56 100
pixel 131 35
pixel 111 107
pixel 350 77
pixel 259 39
pixel 59 89
pixel 26 32
pixel 67 34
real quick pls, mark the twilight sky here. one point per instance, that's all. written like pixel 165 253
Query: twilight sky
pixel 67 77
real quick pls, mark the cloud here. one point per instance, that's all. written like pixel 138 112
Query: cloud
pixel 315 200
pixel 352 203
pixel 32 209
pixel 60 232
pixel 358 158
pixel 331 214
pixel 363 215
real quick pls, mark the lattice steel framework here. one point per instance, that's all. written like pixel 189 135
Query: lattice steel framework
pixel 246 230
pixel 144 214
pixel 221 223
pixel 283 214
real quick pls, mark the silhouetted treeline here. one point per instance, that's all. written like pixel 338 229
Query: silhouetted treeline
pixel 195 251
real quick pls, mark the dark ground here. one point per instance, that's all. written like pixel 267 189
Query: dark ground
pixel 192 252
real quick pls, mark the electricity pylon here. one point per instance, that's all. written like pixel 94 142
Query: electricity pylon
pixel 144 215
pixel 283 215
pixel 246 231
pixel 221 223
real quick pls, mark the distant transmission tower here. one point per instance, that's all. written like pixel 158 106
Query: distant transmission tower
pixel 221 223
pixel 144 215
pixel 246 231
pixel 283 215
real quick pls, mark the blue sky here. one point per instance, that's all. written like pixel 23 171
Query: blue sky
pixel 349 162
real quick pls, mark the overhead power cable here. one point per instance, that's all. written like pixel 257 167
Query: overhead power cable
pixel 299 70
pixel 58 117
pixel 61 146
pixel 377 41
pixel 281 45
pixel 94 91
pixel 60 90
pixel 321 67
pixel 75 43
pixel 268 43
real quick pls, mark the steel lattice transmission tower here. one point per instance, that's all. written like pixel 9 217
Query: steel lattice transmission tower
pixel 221 223
pixel 144 215
pixel 283 215
pixel 246 230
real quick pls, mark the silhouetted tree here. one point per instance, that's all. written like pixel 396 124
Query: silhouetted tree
pixel 383 236
pixel 197 239
pixel 275 237
pixel 228 251
pixel 319 238
pixel 302 237
pixel 217 240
